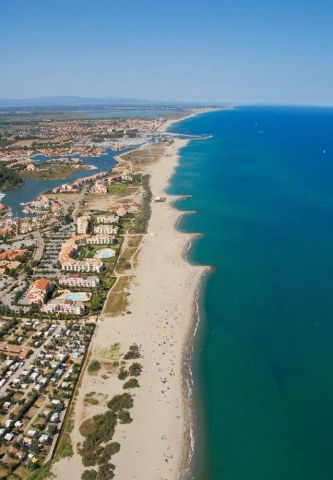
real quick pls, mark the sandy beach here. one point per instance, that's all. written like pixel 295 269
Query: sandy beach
pixel 159 320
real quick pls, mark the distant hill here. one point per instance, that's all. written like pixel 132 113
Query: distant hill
pixel 68 101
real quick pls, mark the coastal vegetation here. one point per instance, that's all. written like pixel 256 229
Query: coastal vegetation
pixel 142 218
pixel 142 157
pixel 131 383
pixel 89 475
pixel 135 369
pixel 116 303
pixel 9 178
pixel 90 399
pixel 120 402
pixel 123 374
pixel 124 417
pixel 98 447
pixel 50 171
pixel 132 353
pixel 94 366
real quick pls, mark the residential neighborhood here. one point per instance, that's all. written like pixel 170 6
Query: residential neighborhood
pixel 58 268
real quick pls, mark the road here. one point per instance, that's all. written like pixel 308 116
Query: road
pixel 39 246
pixel 78 201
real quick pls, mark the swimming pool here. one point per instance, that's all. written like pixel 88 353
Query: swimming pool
pixel 78 296
pixel 105 253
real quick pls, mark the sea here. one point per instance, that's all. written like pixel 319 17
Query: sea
pixel 262 189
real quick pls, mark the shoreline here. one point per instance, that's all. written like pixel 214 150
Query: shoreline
pixel 187 379
pixel 189 446
pixel 161 318
pixel 185 470
pixel 184 438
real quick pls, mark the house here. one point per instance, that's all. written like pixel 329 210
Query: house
pixel 15 351
pixel 9 437
pixel 67 306
pixel 39 290
pixel 87 265
pixel 107 219
pixel 69 251
pixel 102 239
pixel 12 253
pixel 43 438
pixel 108 229
pixel 121 211
pixel 90 281
pixel 99 187
pixel 82 224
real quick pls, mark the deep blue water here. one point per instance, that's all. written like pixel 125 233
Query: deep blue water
pixel 263 362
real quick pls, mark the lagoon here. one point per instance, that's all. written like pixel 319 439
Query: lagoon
pixel 34 187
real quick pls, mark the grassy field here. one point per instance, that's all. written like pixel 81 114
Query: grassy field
pixel 47 171
pixel 142 217
pixel 144 156
pixel 118 299
pixel 123 189
pixel 126 258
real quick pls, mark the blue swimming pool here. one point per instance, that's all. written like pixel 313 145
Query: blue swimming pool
pixel 105 253
pixel 76 296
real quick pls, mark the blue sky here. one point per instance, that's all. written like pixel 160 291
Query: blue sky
pixel 239 51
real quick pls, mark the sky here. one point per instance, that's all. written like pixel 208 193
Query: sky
pixel 214 51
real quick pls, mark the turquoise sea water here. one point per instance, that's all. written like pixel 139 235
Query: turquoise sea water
pixel 263 362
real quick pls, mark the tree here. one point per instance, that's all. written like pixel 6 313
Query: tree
pixel 131 383
pixel 120 402
pixel 124 416
pixel 89 475
pixel 94 366
pixel 105 472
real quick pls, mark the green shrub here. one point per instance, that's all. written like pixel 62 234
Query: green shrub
pixel 124 416
pixel 94 366
pixel 131 383
pixel 106 472
pixel 122 374
pixel 89 475
pixel 120 402
pixel 89 457
pixel 133 353
pixel 105 453
pixel 135 369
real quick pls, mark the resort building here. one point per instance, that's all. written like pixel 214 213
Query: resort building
pixel 101 239
pixel 68 253
pixel 79 281
pixel 105 229
pixel 114 177
pixel 82 224
pixel 61 305
pixel 107 219
pixel 121 211
pixel 88 265
pixel 39 290
pixel 99 187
